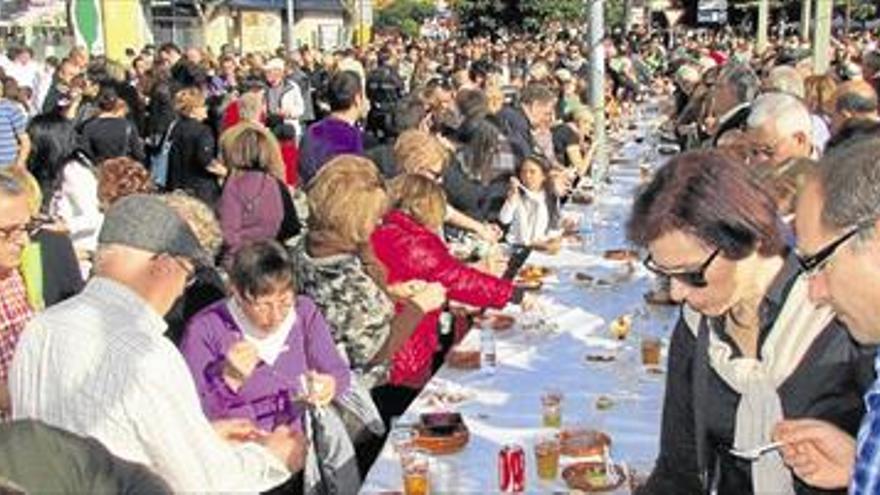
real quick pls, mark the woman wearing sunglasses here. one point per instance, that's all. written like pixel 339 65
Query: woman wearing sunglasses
pixel 749 348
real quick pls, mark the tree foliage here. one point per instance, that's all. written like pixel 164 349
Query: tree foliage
pixel 489 17
pixel 405 15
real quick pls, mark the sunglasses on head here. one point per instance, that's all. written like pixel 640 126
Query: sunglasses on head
pixel 694 278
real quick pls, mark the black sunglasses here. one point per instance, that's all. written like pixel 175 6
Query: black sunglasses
pixel 813 264
pixel 695 278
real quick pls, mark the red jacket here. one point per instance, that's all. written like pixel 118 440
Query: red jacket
pixel 411 251
pixel 290 154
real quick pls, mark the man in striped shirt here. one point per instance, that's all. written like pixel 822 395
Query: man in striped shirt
pixel 15 310
pixel 838 228
pixel 14 142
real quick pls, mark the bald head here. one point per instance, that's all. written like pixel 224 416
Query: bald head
pixel 854 100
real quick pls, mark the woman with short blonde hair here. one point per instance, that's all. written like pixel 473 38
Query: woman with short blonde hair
pixel 347 200
pixel 819 94
pixel 251 147
pixel 417 151
pixel 420 198
pixel 189 101
pixel 410 249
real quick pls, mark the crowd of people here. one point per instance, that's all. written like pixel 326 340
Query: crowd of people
pixel 231 272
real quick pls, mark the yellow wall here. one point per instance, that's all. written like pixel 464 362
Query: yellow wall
pixel 124 27
pixel 260 31
pixel 220 30
pixel 307 27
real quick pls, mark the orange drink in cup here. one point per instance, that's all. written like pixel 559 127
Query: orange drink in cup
pixel 547 450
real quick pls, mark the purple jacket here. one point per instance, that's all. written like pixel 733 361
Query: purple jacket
pixel 264 397
pixel 325 140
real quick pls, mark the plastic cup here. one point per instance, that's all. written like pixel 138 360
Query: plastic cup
pixel 547 450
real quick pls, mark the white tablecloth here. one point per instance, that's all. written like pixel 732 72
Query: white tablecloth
pixel 505 407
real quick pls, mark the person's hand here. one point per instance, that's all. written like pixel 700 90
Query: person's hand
pixel 405 290
pixel 431 297
pixel 489 232
pixel 569 224
pixel 241 360
pixel 818 452
pixel 217 168
pixel 550 246
pixel 513 188
pixel 323 388
pixel 288 445
pixel 560 181
pixel 237 429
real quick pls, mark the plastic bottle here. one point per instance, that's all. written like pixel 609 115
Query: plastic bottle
pixel 488 358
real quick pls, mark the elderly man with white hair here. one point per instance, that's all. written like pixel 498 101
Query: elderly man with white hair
pixel 787 79
pixel 780 127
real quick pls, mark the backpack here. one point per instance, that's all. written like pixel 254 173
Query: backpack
pixel 159 162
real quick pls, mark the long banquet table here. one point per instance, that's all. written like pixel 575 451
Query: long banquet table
pixel 504 407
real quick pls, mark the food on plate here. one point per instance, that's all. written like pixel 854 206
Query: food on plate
pixel 464 359
pixel 440 423
pixel 622 255
pixel 603 403
pixel 497 321
pixel 588 280
pixel 533 272
pixel 620 326
pixel 593 477
pixel 599 356
pixel 583 442
pixel 581 198
pixel 441 433
pixel 530 284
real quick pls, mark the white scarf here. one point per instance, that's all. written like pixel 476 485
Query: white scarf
pixel 269 345
pixel 797 326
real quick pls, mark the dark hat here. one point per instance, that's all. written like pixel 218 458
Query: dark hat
pixel 144 221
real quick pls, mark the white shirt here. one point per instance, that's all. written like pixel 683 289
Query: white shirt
pixel 76 203
pixel 821 134
pixel 528 216
pixel 98 365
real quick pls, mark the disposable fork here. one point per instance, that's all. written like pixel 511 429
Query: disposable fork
pixel 757 452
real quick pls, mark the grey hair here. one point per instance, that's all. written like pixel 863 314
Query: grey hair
pixel 744 81
pixel 850 178
pixel 786 113
pixel 786 79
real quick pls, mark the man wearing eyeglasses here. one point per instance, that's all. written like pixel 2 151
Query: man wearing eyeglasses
pixel 99 365
pixel 15 309
pixel 838 227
